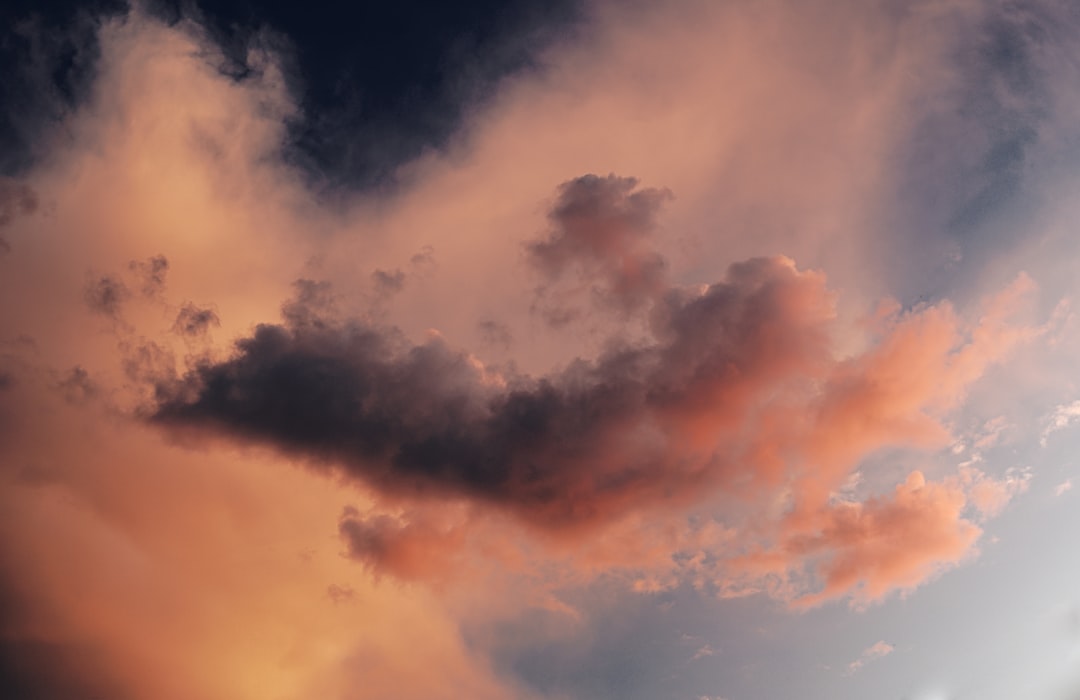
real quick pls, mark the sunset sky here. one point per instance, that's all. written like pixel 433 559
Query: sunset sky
pixel 522 350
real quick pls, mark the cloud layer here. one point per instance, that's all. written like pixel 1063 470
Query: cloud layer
pixel 634 326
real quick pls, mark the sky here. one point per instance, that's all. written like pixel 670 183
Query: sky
pixel 519 350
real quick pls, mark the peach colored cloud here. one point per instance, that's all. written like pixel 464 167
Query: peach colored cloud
pixel 875 651
pixel 744 402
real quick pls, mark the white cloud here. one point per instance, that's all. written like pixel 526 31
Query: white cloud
pixel 1062 417
pixel 704 651
pixel 874 651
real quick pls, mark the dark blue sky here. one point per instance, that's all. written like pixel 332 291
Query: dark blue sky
pixel 377 81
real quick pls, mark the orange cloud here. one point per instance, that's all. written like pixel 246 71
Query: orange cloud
pixel 716 421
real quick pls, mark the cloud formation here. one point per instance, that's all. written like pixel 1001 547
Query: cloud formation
pixel 737 395
pixel 600 239
pixel 697 428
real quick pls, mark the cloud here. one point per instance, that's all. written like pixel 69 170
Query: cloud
pixel 873 652
pixel 573 447
pixel 738 397
pixel 388 283
pixel 16 199
pixel 410 548
pixel 704 652
pixel 1062 417
pixel 206 576
pixel 869 549
pixel 989 495
pixel 150 274
pixel 600 230
pixel 1063 488
pixel 193 321
pixel 693 429
pixel 106 295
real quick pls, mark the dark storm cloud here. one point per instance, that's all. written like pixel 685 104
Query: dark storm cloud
pixel 193 321
pixel 570 447
pixel 106 295
pixel 599 231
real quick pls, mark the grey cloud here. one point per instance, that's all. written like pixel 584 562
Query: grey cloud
pixel 16 199
pixel 150 274
pixel 388 283
pixel 77 387
pixel 495 333
pixel 194 322
pixel 576 446
pixel 599 231
pixel 106 295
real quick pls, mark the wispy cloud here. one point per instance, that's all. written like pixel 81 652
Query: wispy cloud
pixel 1062 417
pixel 873 652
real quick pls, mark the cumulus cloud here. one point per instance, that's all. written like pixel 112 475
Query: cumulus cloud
pixel 563 449
pixel 700 438
pixel 737 396
pixel 869 549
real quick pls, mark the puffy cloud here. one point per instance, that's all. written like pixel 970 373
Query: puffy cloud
pixel 737 399
pixel 635 425
pixel 869 549
pixel 700 437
